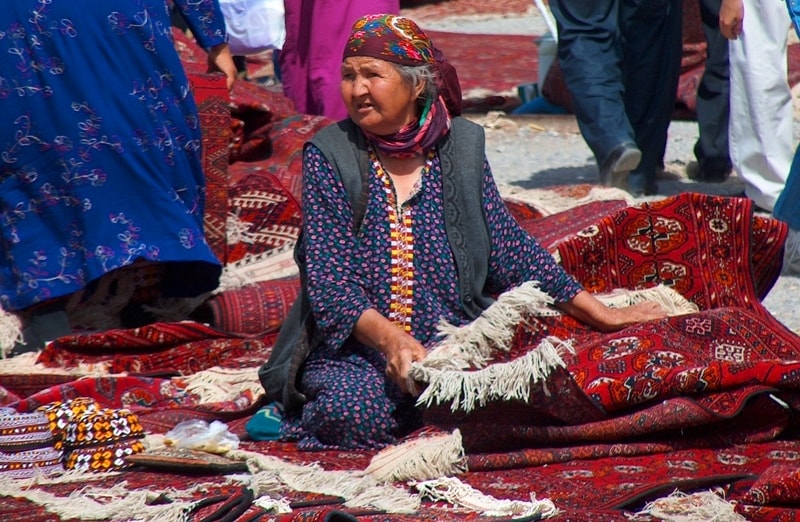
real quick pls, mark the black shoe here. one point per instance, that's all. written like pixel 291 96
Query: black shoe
pixel 709 169
pixel 709 173
pixel 623 159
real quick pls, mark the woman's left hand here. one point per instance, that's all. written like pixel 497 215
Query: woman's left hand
pixel 619 318
pixel 220 59
pixel 591 310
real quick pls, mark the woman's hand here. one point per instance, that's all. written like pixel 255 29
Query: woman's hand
pixel 399 348
pixel 220 59
pixel 398 362
pixel 592 311
pixel 619 318
pixel 731 16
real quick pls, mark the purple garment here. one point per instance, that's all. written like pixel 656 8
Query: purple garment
pixel 311 57
pixel 351 402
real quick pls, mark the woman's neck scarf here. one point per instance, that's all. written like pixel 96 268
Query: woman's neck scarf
pixel 399 40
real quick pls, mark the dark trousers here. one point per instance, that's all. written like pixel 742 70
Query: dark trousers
pixel 621 62
pixel 713 97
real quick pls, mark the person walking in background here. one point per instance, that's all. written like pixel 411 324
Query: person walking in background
pixel 787 208
pixel 100 164
pixel 621 62
pixel 311 57
pixel 761 101
pixel 713 100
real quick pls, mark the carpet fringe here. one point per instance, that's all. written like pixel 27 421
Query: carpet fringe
pixel 10 332
pixel 25 364
pixel 466 390
pixel 455 492
pixel 422 458
pixel 357 488
pixel 96 503
pixel 704 506
pixel 549 202
pixel 254 268
pixel 669 299
pixel 472 345
pixel 219 384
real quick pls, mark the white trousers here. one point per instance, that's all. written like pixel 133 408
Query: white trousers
pixel 760 132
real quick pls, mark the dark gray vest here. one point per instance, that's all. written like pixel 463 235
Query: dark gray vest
pixel 461 154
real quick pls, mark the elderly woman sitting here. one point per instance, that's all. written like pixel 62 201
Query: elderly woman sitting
pixel 404 227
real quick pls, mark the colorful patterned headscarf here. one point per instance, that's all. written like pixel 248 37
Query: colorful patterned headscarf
pixel 399 40
pixel 392 38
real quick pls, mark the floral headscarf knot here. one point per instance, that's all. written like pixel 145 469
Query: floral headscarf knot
pixel 392 38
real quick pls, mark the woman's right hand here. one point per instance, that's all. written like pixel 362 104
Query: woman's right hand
pixel 398 361
pixel 399 348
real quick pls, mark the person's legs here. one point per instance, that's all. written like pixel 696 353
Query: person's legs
pixel 590 56
pixel 788 211
pixel 651 30
pixel 351 404
pixel 713 100
pixel 760 130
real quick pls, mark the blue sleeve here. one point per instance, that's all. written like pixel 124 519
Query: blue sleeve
pixel 334 290
pixel 516 256
pixel 794 14
pixel 204 18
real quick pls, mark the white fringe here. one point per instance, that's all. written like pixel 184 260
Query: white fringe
pixel 705 506
pixel 10 332
pixel 95 503
pixel 276 264
pixel 472 345
pixel 453 491
pixel 669 299
pixel 357 488
pixel 466 390
pixel 219 384
pixel 25 364
pixel 549 202
pixel 273 505
pixel 419 459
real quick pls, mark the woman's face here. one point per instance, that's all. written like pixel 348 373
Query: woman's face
pixel 377 98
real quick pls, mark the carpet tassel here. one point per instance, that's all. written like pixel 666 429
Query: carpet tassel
pixel 455 492
pixel 422 458
pixel 705 506
pixel 219 384
pixel 10 332
pixel 356 487
pixel 503 381
pixel 472 345
pixel 669 299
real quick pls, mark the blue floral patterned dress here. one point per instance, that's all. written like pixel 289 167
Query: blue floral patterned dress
pixel 351 402
pixel 99 145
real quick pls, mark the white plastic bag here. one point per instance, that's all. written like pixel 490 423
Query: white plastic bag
pixel 201 436
pixel 254 26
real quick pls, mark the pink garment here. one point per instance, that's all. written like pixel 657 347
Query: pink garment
pixel 311 57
